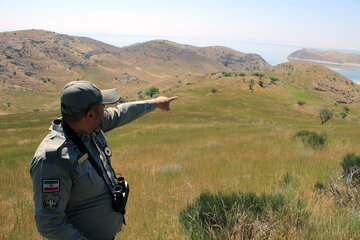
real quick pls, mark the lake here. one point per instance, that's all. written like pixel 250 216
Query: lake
pixel 276 53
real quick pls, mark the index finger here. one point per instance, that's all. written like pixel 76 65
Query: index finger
pixel 172 98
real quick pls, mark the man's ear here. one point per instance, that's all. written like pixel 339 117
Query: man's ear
pixel 90 114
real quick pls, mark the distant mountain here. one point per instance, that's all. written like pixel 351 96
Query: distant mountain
pixel 31 58
pixel 167 56
pixel 326 56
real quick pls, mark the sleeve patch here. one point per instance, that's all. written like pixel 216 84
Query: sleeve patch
pixel 50 185
pixel 50 201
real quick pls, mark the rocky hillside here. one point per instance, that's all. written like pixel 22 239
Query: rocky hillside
pixel 320 79
pixel 182 58
pixel 31 58
pixel 322 56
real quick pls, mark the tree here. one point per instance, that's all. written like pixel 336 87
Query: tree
pixel 152 91
pixel 325 115
pixel 261 83
pixel 213 90
pixel 301 102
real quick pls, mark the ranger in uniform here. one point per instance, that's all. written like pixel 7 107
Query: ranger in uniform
pixel 71 197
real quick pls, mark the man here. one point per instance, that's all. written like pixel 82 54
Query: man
pixel 71 185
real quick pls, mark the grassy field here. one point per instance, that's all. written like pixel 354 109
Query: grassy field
pixel 230 141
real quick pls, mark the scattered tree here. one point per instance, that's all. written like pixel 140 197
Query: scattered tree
pixel 301 102
pixel 325 115
pixel 151 91
pixel 346 109
pixel 261 83
pixel 213 90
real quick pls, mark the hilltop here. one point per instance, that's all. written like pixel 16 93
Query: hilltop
pixel 326 56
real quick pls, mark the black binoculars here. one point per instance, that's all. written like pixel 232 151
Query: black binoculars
pixel 120 195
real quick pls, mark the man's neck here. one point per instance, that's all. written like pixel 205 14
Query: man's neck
pixel 80 126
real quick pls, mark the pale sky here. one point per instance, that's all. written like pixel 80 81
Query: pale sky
pixel 306 23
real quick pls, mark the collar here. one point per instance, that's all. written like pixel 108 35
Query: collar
pixel 57 126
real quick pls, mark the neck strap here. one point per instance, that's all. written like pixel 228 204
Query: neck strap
pixel 80 144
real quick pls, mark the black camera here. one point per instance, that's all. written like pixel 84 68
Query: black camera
pixel 120 194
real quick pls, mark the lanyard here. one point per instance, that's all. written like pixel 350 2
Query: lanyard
pixel 77 141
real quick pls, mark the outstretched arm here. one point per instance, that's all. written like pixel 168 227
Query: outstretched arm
pixel 127 112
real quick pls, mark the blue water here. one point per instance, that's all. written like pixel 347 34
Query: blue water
pixel 274 54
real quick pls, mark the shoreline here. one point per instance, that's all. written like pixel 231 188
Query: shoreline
pixel 344 65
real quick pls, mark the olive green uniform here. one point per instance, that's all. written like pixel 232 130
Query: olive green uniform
pixel 71 200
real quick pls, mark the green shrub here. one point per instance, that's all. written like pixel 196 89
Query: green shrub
pixel 215 216
pixel 350 160
pixel 346 109
pixel 319 186
pixel 226 74
pixel 273 80
pixel 312 139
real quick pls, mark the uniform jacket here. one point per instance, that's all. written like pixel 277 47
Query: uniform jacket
pixel 71 200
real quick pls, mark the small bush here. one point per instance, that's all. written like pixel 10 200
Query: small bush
pixel 350 160
pixel 241 215
pixel 319 186
pixel 343 115
pixel 312 139
pixel 273 80
pixel 226 74
pixel 346 109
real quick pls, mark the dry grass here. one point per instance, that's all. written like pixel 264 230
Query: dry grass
pixel 231 141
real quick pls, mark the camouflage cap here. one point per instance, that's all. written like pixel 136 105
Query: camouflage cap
pixel 80 96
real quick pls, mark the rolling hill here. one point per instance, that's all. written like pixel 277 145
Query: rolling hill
pixel 32 56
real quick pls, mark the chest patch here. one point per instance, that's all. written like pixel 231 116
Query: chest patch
pixel 50 185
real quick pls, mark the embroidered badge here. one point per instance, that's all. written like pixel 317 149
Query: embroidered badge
pixel 83 158
pixel 50 185
pixel 50 201
pixel 107 151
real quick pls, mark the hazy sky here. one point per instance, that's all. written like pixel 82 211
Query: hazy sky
pixel 308 23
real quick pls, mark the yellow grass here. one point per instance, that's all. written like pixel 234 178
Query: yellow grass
pixel 229 141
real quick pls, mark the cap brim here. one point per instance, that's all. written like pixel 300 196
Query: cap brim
pixel 110 96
